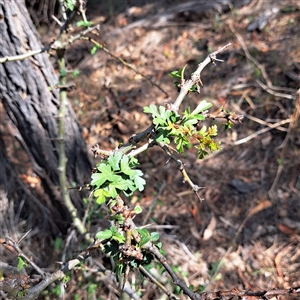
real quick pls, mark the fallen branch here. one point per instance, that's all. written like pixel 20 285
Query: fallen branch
pixel 270 88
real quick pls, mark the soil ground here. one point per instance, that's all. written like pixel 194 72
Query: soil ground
pixel 245 234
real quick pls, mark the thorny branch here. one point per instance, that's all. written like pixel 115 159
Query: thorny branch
pixel 169 150
pixel 150 131
pixel 14 286
pixel 55 44
pixel 195 78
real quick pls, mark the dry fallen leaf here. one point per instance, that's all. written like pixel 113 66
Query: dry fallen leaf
pixel 259 207
pixel 285 229
pixel 208 232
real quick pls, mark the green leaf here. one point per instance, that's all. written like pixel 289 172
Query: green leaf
pixel 104 235
pixel 202 153
pixel 121 184
pixel 63 72
pixel 133 162
pixel 161 136
pixel 114 161
pixel 190 122
pixel 107 172
pixel 179 73
pixel 130 187
pixel 139 182
pixel 154 236
pixel 175 74
pixel 58 243
pixel 143 232
pixel 199 117
pixel 228 125
pixel 119 271
pixel 200 289
pixel 213 130
pixel 145 236
pixel 113 229
pixel 159 245
pixel 193 88
pixel 125 168
pixel 94 50
pixel 69 4
pixel 98 179
pixel 21 263
pixel 181 142
pixel 144 240
pixel 112 191
pixel 152 109
pixel 138 209
pixel 100 194
pixel 202 131
pixel 83 23
pixel 118 238
pixel 202 106
pixel 75 73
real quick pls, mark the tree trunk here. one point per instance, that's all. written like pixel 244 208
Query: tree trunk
pixel 28 126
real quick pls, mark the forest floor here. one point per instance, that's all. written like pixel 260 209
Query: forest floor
pixel 245 234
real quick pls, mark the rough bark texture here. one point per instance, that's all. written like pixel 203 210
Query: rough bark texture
pixel 28 114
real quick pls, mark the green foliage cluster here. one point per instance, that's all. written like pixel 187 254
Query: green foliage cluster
pixel 116 175
pixel 119 174
pixel 183 129
pixel 128 255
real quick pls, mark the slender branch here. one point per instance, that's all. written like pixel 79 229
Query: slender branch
pixel 270 91
pixel 53 45
pixel 259 132
pixel 269 87
pixel 25 55
pixel 102 47
pixel 181 168
pixel 195 78
pixel 157 283
pixel 82 9
pixel 154 250
pixel 61 146
pixel 16 247
pixel 257 120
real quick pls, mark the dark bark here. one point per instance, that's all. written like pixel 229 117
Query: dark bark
pixel 28 112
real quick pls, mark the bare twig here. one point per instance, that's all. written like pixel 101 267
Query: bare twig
pixel 181 168
pixel 269 87
pixel 25 55
pixel 283 146
pixel 123 62
pixel 23 237
pixel 53 45
pixel 257 120
pixel 259 132
pixel 157 283
pixel 20 253
pixel 154 250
